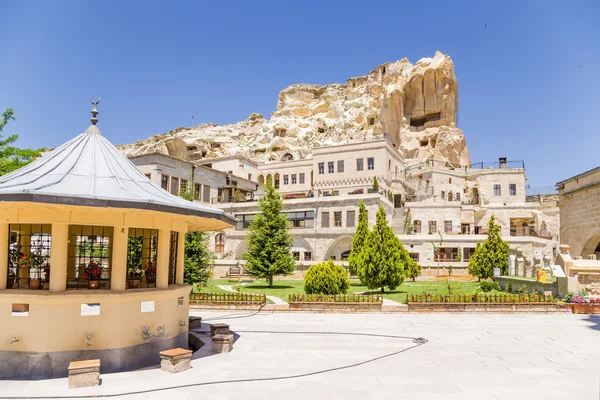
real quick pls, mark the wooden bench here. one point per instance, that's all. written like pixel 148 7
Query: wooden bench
pixel 236 273
pixel 175 360
pixel 222 343
pixel 84 373
pixel 219 329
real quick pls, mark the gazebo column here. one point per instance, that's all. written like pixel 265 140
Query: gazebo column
pixel 180 257
pixel 118 273
pixel 162 267
pixel 3 255
pixel 59 257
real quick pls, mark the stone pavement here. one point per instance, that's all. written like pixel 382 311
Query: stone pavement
pixel 467 356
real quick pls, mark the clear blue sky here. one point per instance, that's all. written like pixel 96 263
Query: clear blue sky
pixel 528 71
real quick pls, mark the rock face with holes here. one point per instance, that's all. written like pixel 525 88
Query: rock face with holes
pixel 413 105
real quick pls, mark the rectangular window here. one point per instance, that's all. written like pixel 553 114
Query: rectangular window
pixel 370 163
pixel 286 179
pixel 321 168
pixel 512 189
pixel 90 257
pixel 29 248
pixel 142 247
pixel 414 256
pixel 301 219
pixel 468 253
pixel 296 255
pixel 249 177
pixel 337 218
pixel 184 184
pixel 359 164
pixel 331 167
pixel 164 182
pixel 175 186
pixel 443 195
pixel 465 229
pixel 197 190
pixel 457 194
pixel 173 257
pixel 301 177
pixel 497 190
pixel 307 256
pixel 448 226
pixel 206 194
pixel 432 227
pixel 350 218
pixel 294 179
pixel 340 166
pixel 244 220
pixel 446 254
pixel 324 220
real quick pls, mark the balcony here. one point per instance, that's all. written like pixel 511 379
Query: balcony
pixel 471 229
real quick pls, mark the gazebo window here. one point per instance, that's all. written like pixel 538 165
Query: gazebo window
pixel 173 257
pixel 90 257
pixel 29 256
pixel 220 243
pixel 142 245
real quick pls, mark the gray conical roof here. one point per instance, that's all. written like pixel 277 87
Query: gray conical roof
pixel 89 171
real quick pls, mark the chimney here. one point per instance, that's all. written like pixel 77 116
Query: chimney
pixel 502 162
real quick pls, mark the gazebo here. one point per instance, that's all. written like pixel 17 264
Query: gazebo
pixel 91 261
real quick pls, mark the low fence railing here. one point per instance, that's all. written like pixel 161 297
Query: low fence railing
pixel 502 298
pixel 338 298
pixel 228 298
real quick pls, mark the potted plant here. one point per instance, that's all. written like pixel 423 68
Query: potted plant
pixel 134 276
pixel 585 305
pixel 151 272
pixel 93 274
pixel 47 273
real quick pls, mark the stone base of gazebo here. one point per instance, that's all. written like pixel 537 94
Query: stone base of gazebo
pixel 127 331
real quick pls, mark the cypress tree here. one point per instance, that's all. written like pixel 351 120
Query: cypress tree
pixel 384 260
pixel 413 268
pixel 269 242
pixel 358 242
pixel 375 184
pixel 492 253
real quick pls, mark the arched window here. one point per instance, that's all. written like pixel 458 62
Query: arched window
pixel 450 198
pixel 220 243
pixel 417 225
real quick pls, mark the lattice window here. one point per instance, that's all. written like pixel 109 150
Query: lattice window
pixel 90 257
pixel 173 257
pixel 220 243
pixel 29 256
pixel 142 249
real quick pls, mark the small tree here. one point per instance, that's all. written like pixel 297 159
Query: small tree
pixel 384 259
pixel 13 158
pixel 375 184
pixel 358 242
pixel 269 242
pixel 413 268
pixel 492 253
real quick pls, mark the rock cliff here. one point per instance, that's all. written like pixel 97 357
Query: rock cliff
pixel 414 106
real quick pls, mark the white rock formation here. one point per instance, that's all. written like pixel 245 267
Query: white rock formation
pixel 414 106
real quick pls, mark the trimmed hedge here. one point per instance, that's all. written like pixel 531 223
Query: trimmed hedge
pixel 326 278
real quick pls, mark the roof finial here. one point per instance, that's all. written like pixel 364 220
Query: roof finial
pixel 95 111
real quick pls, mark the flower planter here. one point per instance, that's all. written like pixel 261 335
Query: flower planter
pixel 36 284
pixel 133 283
pixel 586 308
pixel 10 282
pixel 47 274
pixel 93 284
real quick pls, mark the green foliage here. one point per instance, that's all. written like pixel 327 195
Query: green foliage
pixel 87 248
pixel 134 252
pixel 487 286
pixel 358 242
pixel 375 184
pixel 326 278
pixel 413 268
pixel 197 259
pixel 269 242
pixel 582 293
pixel 384 260
pixel 492 253
pixel 408 226
pixel 13 158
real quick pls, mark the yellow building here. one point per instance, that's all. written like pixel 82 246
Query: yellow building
pixel 91 262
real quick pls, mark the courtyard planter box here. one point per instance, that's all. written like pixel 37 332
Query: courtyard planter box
pixel 489 307
pixel 586 308
pixel 342 302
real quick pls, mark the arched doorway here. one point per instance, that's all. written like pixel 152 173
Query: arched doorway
pixel 261 180
pixel 475 196
pixel 301 250
pixel 338 247
pixel 220 243
pixel 592 246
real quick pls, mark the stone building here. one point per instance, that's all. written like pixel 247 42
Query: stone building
pixel 424 202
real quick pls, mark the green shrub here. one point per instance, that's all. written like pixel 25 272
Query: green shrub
pixel 489 286
pixel 326 278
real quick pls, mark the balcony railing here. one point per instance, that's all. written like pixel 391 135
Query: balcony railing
pixel 473 230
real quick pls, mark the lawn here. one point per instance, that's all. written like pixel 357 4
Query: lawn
pixel 283 287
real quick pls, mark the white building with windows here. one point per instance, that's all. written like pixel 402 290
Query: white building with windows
pixel 430 201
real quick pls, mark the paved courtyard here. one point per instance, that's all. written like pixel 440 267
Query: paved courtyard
pixel 466 356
